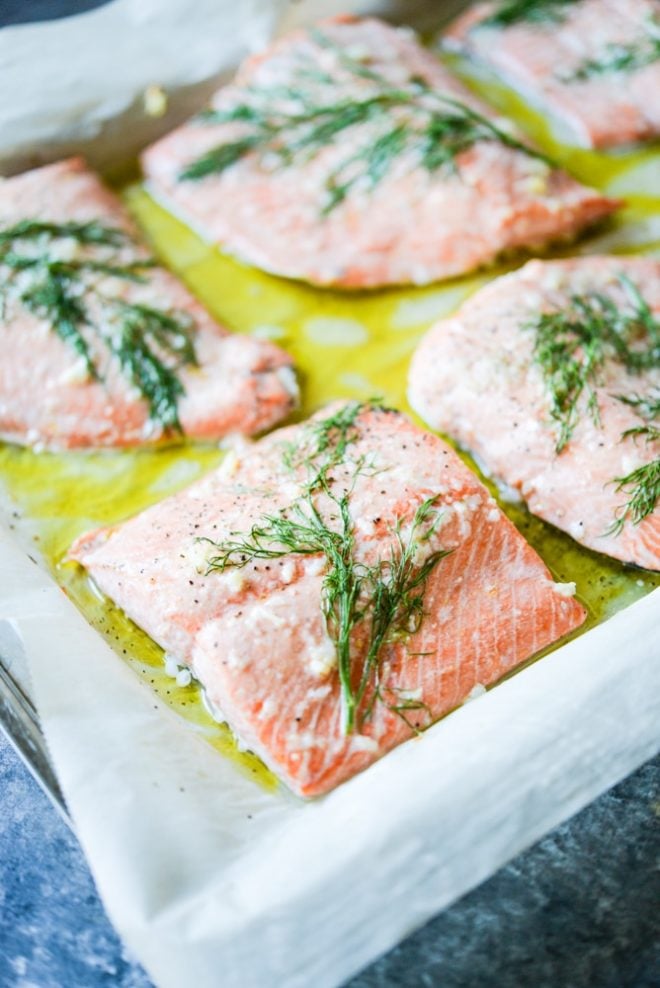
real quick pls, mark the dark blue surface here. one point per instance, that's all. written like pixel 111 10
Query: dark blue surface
pixel 579 910
pixel 24 11
pixel 53 930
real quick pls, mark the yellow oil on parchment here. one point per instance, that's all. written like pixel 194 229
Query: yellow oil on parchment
pixel 351 345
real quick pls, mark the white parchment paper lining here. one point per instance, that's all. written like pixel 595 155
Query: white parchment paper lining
pixel 209 879
pixel 213 881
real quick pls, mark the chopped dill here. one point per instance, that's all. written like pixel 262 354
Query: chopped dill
pixel 642 486
pixel 648 409
pixel 56 270
pixel 572 344
pixel 332 435
pixel 508 12
pixel 90 232
pixel 355 66
pixel 619 57
pixel 384 599
pixel 285 126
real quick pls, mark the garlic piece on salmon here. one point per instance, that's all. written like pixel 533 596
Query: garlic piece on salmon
pixel 322 658
pixel 565 589
pixel 270 658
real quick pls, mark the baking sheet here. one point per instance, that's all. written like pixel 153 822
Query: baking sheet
pixel 19 717
pixel 202 869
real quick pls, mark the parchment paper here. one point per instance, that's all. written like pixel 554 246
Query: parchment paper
pixel 77 86
pixel 212 880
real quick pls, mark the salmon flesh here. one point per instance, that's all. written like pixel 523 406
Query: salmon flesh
pixel 347 155
pixel 551 377
pixel 99 345
pixel 335 588
pixel 593 64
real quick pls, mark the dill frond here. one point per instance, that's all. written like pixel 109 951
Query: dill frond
pixel 619 57
pixel 149 344
pixel 285 126
pixel 647 408
pixel 384 598
pixel 51 296
pixel 642 486
pixel 571 346
pixel 508 12
pixel 90 232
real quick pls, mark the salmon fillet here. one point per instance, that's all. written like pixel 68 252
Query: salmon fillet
pixel 577 438
pixel 594 64
pixel 397 543
pixel 100 346
pixel 348 155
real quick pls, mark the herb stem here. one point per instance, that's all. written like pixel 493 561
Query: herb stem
pixel 510 12
pixel 642 486
pixel 618 57
pixel 386 596
pixel 571 346
pixel 287 126
pixel 149 344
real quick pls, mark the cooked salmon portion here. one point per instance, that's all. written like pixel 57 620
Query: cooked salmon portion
pixel 99 346
pixel 348 155
pixel 335 588
pixel 594 64
pixel 551 377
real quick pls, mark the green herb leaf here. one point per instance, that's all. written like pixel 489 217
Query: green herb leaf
pixel 218 159
pixel 508 12
pixel 385 597
pixel 643 484
pixel 144 335
pixel 571 346
pixel 646 406
pixel 287 126
pixel 91 232
pixel 50 298
pixel 642 487
pixel 615 57
pixel 148 343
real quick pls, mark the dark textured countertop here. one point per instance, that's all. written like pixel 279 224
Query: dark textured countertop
pixel 578 910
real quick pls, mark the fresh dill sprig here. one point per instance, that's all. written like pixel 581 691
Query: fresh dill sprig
pixel 89 232
pixel 285 126
pixel 51 296
pixel 403 706
pixel 620 57
pixel 648 409
pixel 438 137
pixel 572 344
pixel 149 344
pixel 385 598
pixel 396 586
pixel 650 432
pixel 642 486
pixel 354 66
pixel 142 336
pixel 508 12
pixel 328 437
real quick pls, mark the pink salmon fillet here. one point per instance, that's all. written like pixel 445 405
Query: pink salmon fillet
pixel 474 378
pixel 397 221
pixel 546 62
pixel 47 399
pixel 255 637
